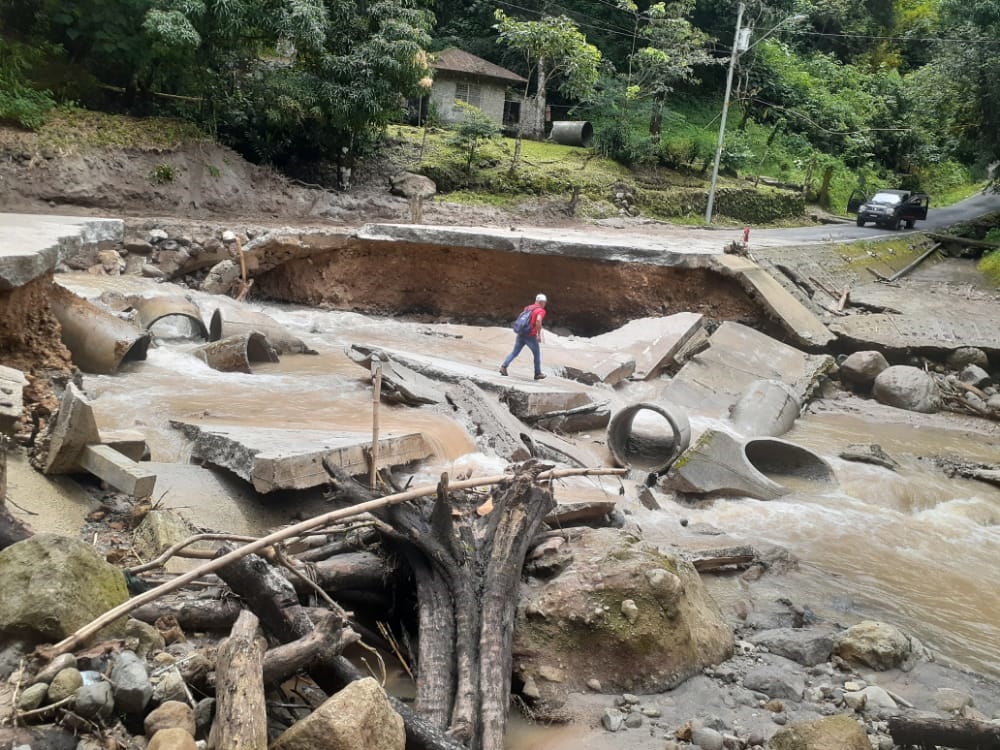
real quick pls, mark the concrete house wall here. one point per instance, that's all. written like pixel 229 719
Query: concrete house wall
pixel 492 96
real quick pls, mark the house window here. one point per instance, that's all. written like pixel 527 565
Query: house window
pixel 470 93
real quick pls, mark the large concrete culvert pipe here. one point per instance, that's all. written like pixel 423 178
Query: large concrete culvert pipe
pixel 765 468
pixel 151 310
pixel 648 437
pixel 98 341
pixel 572 133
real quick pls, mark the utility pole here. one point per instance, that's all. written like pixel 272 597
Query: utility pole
pixel 725 112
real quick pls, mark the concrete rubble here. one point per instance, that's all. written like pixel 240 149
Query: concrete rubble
pixel 292 459
pixel 12 385
pixel 528 400
pixel 75 445
pixel 651 343
pixel 714 380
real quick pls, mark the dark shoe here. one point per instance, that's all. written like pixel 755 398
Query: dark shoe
pixel 503 370
pixel 540 376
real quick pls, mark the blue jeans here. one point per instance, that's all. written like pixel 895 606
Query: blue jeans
pixel 532 343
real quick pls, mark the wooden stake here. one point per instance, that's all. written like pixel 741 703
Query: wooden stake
pixel 376 397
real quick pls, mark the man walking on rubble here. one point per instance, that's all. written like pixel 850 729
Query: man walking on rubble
pixel 529 334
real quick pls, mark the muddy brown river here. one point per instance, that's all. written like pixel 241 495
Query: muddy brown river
pixel 911 547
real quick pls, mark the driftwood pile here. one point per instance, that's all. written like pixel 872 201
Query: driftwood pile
pixel 462 545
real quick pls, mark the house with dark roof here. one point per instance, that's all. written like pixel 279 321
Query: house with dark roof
pixel 462 77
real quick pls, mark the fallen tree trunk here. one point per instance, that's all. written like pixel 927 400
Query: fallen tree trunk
pixel 240 713
pixel 327 638
pixel 466 553
pixel 957 733
pixel 211 614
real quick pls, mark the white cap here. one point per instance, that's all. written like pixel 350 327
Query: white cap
pixel 541 298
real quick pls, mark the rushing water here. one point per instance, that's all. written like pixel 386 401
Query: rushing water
pixel 911 547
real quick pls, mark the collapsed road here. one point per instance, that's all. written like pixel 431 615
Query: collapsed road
pixel 692 333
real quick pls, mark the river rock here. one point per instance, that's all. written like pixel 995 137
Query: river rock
pixel 96 701
pixel 907 388
pixel 861 368
pixel 875 644
pixel 54 667
pixel 174 738
pixel 410 185
pixel 612 719
pixel 576 620
pixel 775 682
pixel 976 376
pixel 170 714
pixel 131 683
pixel 64 684
pixel 803 645
pixel 706 738
pixel 829 733
pixel 359 716
pixel 40 605
pixel 141 637
pixel 968 355
pixel 32 696
pixel 951 700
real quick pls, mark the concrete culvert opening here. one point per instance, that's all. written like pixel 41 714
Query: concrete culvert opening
pixel 177 326
pixel 572 133
pixel 787 464
pixel 648 437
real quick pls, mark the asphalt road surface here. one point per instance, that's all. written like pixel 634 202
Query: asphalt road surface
pixel 937 218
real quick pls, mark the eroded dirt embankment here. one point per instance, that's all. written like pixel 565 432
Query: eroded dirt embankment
pixel 586 296
pixel 30 341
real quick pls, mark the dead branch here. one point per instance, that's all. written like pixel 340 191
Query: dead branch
pixel 88 630
pixel 241 713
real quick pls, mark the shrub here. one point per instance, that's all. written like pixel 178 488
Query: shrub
pixel 990 265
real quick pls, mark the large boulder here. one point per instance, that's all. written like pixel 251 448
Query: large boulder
pixel 861 368
pixel 634 617
pixel 359 716
pixel 907 388
pixel 875 644
pixel 830 733
pixel 52 585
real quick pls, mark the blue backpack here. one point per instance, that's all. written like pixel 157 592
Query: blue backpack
pixel 522 326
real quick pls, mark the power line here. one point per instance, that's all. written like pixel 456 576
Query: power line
pixel 585 25
pixel 802 32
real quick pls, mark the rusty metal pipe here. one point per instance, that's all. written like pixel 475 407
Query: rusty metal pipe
pixel 98 341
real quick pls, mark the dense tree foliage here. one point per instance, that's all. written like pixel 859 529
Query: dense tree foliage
pixel 279 80
pixel 884 86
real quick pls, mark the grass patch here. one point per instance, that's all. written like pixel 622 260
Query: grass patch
pixel 73 130
pixel 989 265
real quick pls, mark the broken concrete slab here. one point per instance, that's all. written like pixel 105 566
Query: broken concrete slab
pixel 929 318
pixel 528 400
pixel 551 447
pixel 584 513
pixel 798 321
pixel 652 342
pixel 400 384
pixel 213 499
pixel 714 380
pixel 593 366
pixel 292 459
pixel 12 385
pixel 494 428
pixel 34 244
pixel 75 446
